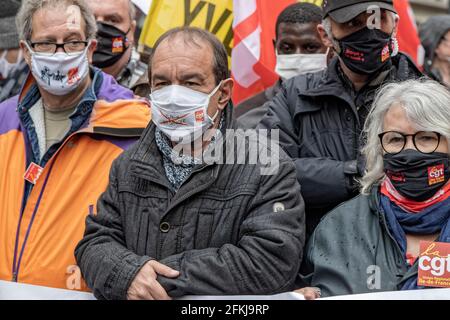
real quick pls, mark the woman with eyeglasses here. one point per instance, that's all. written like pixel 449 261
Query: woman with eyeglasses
pixel 372 243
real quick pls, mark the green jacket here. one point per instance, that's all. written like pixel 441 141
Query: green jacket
pixel 352 251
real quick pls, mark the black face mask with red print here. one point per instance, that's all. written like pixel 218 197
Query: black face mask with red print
pixel 415 175
pixel 366 51
pixel 112 45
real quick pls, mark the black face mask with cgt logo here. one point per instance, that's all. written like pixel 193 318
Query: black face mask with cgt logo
pixel 111 46
pixel 415 175
pixel 366 51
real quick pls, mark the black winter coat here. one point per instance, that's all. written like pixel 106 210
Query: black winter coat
pixel 229 230
pixel 320 117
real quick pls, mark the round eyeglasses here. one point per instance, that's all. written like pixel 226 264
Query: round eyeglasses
pixel 394 142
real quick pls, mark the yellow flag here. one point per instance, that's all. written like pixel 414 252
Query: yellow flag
pixel 316 2
pixel 212 15
pixel 215 16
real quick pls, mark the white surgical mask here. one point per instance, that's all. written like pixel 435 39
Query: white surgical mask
pixel 59 73
pixel 182 113
pixel 292 65
pixel 7 67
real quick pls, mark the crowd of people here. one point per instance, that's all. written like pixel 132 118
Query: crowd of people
pixel 140 179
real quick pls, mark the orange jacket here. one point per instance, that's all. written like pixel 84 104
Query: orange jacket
pixel 37 241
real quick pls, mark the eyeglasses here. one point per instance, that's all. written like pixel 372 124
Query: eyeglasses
pixel 69 47
pixel 394 142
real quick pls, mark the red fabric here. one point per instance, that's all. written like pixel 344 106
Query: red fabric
pixel 408 37
pixel 389 191
pixel 264 18
pixel 410 259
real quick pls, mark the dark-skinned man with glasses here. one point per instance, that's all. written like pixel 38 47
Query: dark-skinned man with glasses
pixel 58 139
pixel 405 199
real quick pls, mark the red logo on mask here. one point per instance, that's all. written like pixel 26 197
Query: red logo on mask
pixel 117 45
pixel 354 55
pixel 73 76
pixel 385 54
pixel 436 174
pixel 199 116
pixel 171 120
pixel 396 176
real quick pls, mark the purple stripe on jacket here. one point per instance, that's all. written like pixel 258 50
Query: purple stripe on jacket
pixel 111 91
pixel 9 119
pixel 122 143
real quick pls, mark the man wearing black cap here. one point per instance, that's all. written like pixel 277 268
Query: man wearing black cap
pixel 320 116
pixel 13 68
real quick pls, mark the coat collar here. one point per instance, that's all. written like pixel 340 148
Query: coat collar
pixel 104 108
pixel 333 82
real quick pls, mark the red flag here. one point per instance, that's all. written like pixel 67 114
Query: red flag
pixel 253 56
pixel 408 37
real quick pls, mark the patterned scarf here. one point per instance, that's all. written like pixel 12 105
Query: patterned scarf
pixel 178 167
pixel 431 220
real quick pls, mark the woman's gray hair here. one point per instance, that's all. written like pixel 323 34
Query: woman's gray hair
pixel 24 19
pixel 427 106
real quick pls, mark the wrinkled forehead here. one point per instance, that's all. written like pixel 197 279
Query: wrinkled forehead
pixel 57 21
pixel 111 8
pixel 184 47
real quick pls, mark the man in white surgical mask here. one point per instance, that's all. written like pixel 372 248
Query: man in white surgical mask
pixel 299 50
pixel 13 69
pixel 184 224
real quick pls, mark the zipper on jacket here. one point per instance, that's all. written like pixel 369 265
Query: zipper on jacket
pixel 17 262
pixel 26 193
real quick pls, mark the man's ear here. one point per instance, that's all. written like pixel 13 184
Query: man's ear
pixel 396 24
pixel 132 32
pixel 91 50
pixel 324 36
pixel 225 93
pixel 26 53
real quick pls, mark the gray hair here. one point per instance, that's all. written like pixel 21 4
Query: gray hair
pixel 427 106
pixel 196 36
pixel 24 19
pixel 132 10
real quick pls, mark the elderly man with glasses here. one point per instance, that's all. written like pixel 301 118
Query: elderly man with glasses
pixel 373 242
pixel 58 139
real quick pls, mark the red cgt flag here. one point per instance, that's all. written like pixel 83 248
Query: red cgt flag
pixel 253 56
pixel 408 37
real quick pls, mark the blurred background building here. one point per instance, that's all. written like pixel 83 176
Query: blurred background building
pixel 426 8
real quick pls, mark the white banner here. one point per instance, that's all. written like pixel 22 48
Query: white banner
pixel 19 291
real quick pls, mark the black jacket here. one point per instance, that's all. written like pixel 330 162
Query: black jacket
pixel 352 251
pixel 229 230
pixel 248 114
pixel 320 117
